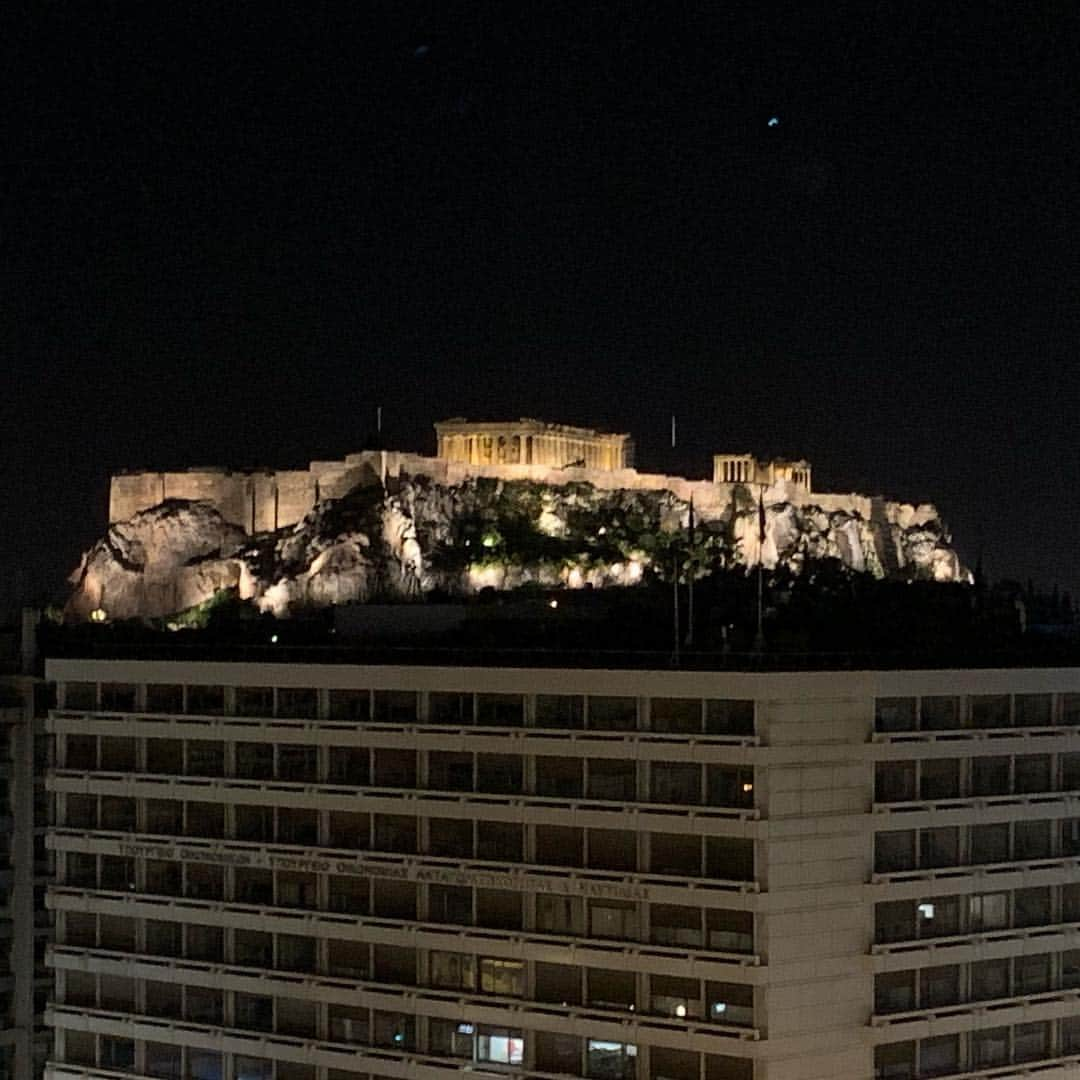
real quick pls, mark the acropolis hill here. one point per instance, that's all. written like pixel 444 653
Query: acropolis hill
pixel 501 504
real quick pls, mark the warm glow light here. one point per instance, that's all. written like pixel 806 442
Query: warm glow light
pixel 553 603
pixel 680 1010
pixel 273 639
pixel 98 615
pixel 748 787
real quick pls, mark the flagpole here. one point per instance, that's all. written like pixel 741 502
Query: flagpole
pixel 690 581
pixel 759 637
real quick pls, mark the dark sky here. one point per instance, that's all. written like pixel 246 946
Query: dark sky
pixel 227 234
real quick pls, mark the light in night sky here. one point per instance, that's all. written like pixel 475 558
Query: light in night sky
pixel 774 121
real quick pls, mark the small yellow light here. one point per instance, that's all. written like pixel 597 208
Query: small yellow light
pixel 748 787
pixel 553 603
pixel 680 1010
pixel 98 615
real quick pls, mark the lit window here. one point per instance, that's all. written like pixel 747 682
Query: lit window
pixel 500 1046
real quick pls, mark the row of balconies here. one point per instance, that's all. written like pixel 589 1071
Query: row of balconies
pixel 906 925
pixel 569 999
pixel 1046 1046
pixel 611 936
pixel 457 772
pixel 406 707
pixel 400 1044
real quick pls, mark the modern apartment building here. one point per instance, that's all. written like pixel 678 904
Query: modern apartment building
pixel 285 871
pixel 24 863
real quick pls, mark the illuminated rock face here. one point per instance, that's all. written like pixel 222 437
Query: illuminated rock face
pixel 417 535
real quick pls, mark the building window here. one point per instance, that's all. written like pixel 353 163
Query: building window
pixel 80 696
pixel 612 849
pixel 894 851
pixel 350 705
pixel 989 843
pixel 557 914
pixel 1032 974
pixel 203 1064
pixel 395 768
pixel 117 754
pixel 939 1055
pixel 500 1046
pixel 939 847
pixel 939 778
pixel 254 1011
pixel 255 701
pixel 295 701
pixel 939 713
pixel 253 948
pixel 498 909
pixel 1031 774
pixel 990 1047
pixel 454 710
pixel 395 707
pixel 560 777
pixel 450 904
pixel 729 717
pixel 558 983
pixel 681 715
pixel 939 986
pixel 611 989
pixel 254 761
pixel 350 765
pixel 612 713
pixel 117 1053
pixel 500 710
pixel 117 697
pixel 162 698
pixel 499 840
pixel 613 919
pixel 1033 710
pixel 610 1060
pixel 1031 907
pixel 206 700
pixel 450 771
pixel 559 711
pixel 990 776
pixel 298 762
pixel 252 1068
pixel 989 711
pixel 614 780
pixel 1031 1042
pixel 894 991
pixel 730 1003
pixel 163 1061
pixel 503 977
pixel 452 971
pixel 560 845
pixel 894 781
pixel 452 1038
pixel 990 979
pixel 894 714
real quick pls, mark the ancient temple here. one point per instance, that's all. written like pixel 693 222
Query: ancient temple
pixel 746 469
pixel 532 442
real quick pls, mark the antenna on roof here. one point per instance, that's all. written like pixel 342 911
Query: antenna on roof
pixel 672 431
pixel 378 419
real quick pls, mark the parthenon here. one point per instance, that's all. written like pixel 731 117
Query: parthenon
pixel 532 442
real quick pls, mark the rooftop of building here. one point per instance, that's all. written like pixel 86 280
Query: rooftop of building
pixel 852 624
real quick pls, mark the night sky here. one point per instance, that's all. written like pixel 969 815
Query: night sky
pixel 228 235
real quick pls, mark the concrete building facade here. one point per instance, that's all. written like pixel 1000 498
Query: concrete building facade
pixel 25 870
pixel 276 871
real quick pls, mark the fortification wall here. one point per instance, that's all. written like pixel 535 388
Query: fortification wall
pixel 267 500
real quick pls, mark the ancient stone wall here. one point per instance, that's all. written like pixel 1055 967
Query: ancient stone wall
pixel 263 501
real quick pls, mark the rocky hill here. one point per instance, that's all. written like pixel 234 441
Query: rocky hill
pixel 417 536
